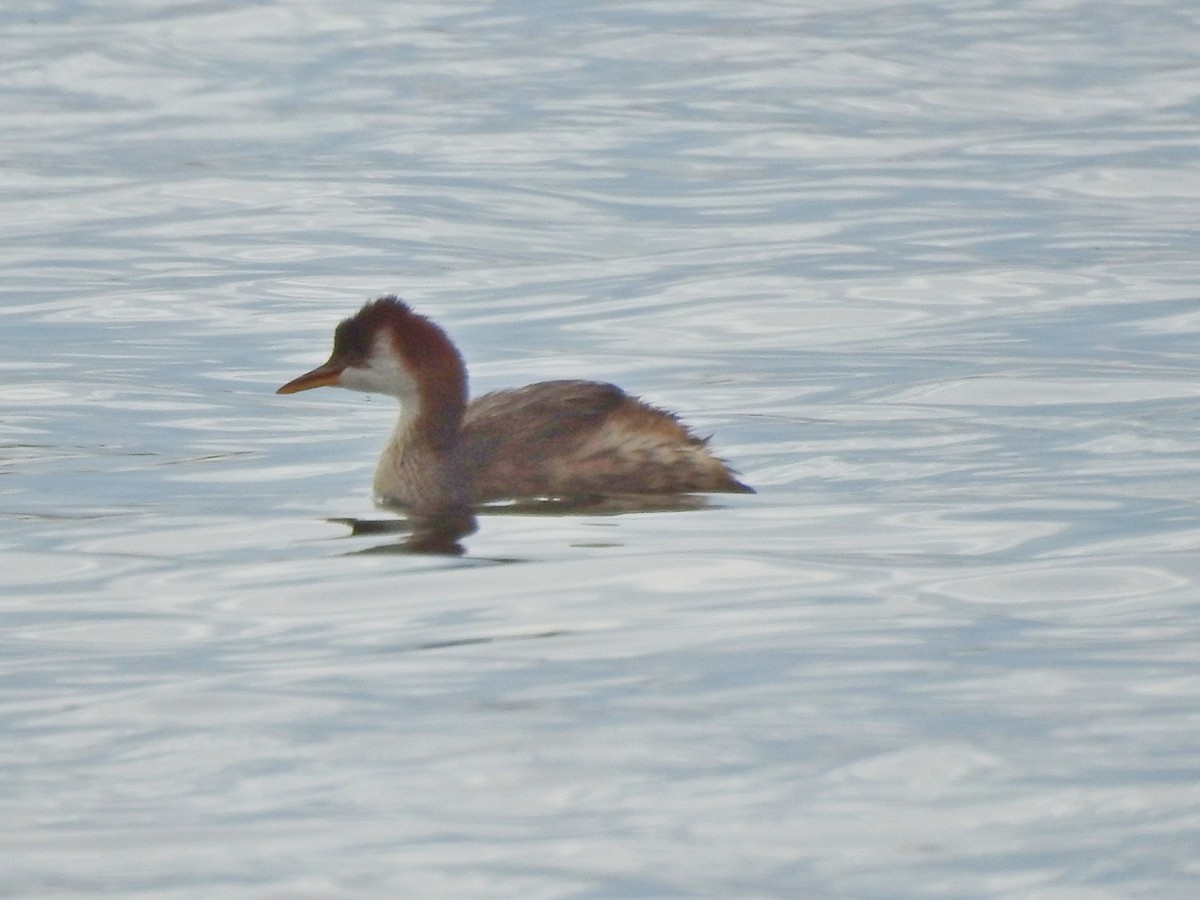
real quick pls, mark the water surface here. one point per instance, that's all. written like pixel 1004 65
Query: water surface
pixel 925 271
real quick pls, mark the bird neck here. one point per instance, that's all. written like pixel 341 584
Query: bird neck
pixel 421 467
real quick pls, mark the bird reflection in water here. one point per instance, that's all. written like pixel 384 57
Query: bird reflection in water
pixel 440 535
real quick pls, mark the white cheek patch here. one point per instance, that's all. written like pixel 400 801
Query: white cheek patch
pixel 360 380
pixel 383 373
pixel 356 380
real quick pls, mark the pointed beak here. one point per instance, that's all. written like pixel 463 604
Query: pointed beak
pixel 328 374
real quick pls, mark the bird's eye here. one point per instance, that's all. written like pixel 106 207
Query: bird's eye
pixel 350 342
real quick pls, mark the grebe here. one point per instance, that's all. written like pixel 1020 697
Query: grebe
pixel 551 439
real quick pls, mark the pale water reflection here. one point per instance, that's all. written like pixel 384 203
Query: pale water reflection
pixel 928 274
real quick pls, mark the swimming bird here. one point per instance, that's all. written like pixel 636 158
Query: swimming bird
pixel 562 439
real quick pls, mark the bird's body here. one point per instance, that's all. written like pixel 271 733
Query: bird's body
pixel 550 439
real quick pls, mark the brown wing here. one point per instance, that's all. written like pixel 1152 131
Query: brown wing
pixel 570 438
pixel 514 440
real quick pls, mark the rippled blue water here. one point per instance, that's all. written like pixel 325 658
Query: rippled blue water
pixel 927 271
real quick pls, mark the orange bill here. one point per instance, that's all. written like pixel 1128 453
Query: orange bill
pixel 321 376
